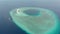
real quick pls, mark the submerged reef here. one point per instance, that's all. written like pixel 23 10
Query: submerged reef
pixel 35 20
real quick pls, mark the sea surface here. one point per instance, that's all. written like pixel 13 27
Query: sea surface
pixel 7 26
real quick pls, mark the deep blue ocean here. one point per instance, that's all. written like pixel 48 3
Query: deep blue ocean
pixel 6 24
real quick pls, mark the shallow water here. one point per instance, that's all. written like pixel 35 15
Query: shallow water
pixel 6 24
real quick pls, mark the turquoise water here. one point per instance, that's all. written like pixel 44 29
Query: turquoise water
pixel 7 26
pixel 45 23
pixel 32 12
